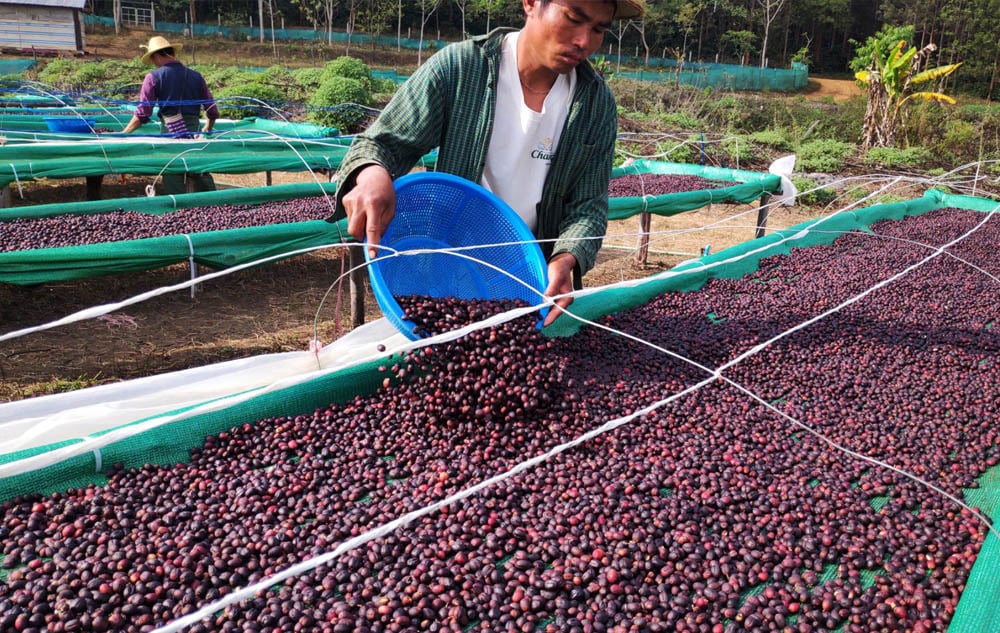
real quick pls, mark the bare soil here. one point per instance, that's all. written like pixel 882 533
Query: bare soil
pixel 836 89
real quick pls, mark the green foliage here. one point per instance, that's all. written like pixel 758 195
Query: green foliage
pixel 277 76
pixel 307 80
pixel 680 152
pixel 955 135
pixel 251 99
pixel 823 155
pixel 110 77
pixel 811 194
pixel 219 78
pixel 776 138
pixel 383 85
pixel 888 198
pixel 624 151
pixel 684 120
pixel 639 96
pixel 855 194
pixel 739 43
pixel 891 157
pixel 961 138
pixel 882 44
pixel 57 72
pixel 737 149
pixel 335 103
pixel 802 56
pixel 350 67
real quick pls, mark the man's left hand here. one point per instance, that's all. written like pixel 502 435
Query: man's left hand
pixel 560 283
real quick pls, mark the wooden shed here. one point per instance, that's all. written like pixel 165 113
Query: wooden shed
pixel 42 26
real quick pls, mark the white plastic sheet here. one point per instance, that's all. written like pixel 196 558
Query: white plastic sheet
pixel 783 167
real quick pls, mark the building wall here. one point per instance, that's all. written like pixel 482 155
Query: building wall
pixel 41 28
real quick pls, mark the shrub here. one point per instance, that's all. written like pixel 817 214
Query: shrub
pixel 72 75
pixel 218 78
pixel 824 155
pixel 255 98
pixel 811 194
pixel 57 73
pixel 888 198
pixel 340 102
pixel 778 139
pixel 349 67
pixel 307 80
pixel 682 120
pixel 637 96
pixel 890 157
pixel 737 149
pixel 680 152
pixel 960 138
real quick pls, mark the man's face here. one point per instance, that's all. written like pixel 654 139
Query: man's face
pixel 563 33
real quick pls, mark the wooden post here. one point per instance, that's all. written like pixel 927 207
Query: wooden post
pixel 642 252
pixel 94 187
pixel 762 213
pixel 5 199
pixel 356 261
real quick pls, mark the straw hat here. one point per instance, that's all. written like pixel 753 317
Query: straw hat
pixel 628 9
pixel 158 43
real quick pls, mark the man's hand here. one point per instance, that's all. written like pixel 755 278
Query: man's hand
pixel 370 205
pixel 560 283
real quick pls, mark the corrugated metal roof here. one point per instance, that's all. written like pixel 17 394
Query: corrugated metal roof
pixel 69 4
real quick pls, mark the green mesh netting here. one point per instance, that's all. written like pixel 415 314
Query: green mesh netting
pixel 35 124
pixel 723 76
pixel 221 249
pixel 976 612
pixel 215 249
pixel 15 66
pixel 152 157
pixel 748 186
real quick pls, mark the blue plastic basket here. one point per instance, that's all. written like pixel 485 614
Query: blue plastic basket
pixel 70 124
pixel 442 211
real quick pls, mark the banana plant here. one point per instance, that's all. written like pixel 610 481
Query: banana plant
pixel 890 80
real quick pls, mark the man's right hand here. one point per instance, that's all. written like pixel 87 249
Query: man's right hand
pixel 370 205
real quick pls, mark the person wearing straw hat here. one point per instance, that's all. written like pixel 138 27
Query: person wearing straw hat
pixel 180 94
pixel 522 113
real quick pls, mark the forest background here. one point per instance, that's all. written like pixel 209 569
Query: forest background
pixel 823 34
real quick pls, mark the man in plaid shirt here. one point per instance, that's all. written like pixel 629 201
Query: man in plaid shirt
pixel 520 112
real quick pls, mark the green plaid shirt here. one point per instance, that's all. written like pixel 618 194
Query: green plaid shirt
pixel 449 104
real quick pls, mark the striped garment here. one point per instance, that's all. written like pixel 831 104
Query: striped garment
pixel 449 104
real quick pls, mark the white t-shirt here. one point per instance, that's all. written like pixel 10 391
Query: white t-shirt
pixel 524 141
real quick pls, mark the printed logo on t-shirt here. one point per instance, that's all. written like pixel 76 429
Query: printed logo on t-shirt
pixel 543 150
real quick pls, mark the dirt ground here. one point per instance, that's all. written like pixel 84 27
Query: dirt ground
pixel 838 89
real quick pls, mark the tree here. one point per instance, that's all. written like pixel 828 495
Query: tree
pixel 771 8
pixel 326 8
pixel 740 42
pixel 488 8
pixel 427 9
pixel 890 78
